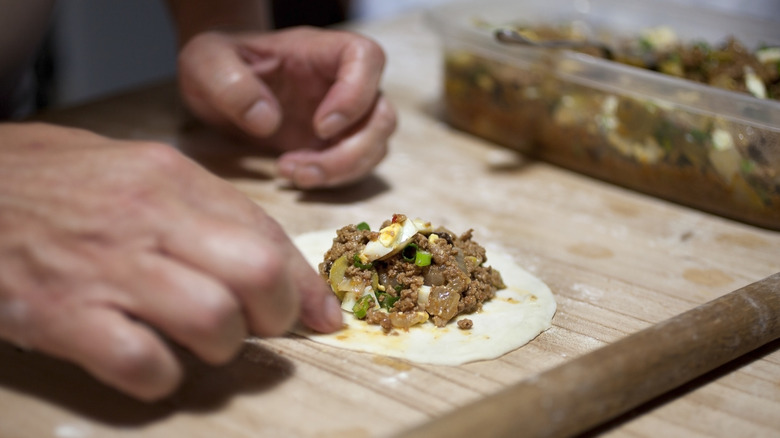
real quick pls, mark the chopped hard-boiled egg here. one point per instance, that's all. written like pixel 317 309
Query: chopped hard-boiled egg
pixel 660 38
pixel 722 140
pixel 768 54
pixel 754 83
pixel 393 238
pixel 352 297
pixel 422 296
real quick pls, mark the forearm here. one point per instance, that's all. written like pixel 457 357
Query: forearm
pixel 194 16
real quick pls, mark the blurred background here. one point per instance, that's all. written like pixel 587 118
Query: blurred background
pixel 97 48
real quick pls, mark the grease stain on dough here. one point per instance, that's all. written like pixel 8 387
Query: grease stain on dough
pixel 707 277
pixel 395 364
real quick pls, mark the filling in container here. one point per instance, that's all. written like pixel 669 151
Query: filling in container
pixel 634 118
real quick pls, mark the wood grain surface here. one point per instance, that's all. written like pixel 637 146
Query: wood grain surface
pixel 589 390
pixel 618 262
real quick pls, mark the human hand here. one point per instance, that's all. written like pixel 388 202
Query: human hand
pixel 310 94
pixel 107 245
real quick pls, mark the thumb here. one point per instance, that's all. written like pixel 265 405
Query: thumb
pixel 221 88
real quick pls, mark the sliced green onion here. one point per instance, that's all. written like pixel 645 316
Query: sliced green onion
pixel 360 309
pixel 389 301
pixel 703 46
pixel 747 166
pixel 386 300
pixel 359 264
pixel 645 44
pixel 698 136
pixel 363 226
pixel 422 258
pixel 409 252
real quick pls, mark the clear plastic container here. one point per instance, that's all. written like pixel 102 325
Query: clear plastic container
pixel 691 143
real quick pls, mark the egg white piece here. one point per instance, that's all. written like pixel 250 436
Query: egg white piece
pixel 393 238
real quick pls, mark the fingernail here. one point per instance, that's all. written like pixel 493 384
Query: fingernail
pixel 261 117
pixel 332 312
pixel 332 125
pixel 309 176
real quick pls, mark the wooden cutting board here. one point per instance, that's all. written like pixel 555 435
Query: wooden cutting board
pixel 618 262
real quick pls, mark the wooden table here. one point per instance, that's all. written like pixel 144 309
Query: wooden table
pixel 617 262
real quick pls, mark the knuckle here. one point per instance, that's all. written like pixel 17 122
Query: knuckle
pixel 363 47
pixel 194 49
pixel 225 84
pixel 158 156
pixel 370 49
pixel 264 269
pixel 140 189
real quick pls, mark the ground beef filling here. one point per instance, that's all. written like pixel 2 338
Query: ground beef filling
pixel 458 280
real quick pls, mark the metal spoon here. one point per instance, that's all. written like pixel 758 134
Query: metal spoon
pixel 507 35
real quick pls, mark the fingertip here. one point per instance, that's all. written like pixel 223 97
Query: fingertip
pixel 302 169
pixel 262 118
pixel 309 176
pixel 320 310
pixel 122 353
pixel 348 160
pixel 334 317
pixel 323 315
pixel 158 390
pixel 286 166
pixel 272 300
pixel 141 366
pixel 386 115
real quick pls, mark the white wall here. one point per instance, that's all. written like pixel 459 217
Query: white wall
pixel 103 46
pixel 376 9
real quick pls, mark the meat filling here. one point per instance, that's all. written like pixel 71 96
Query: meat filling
pixel 435 275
